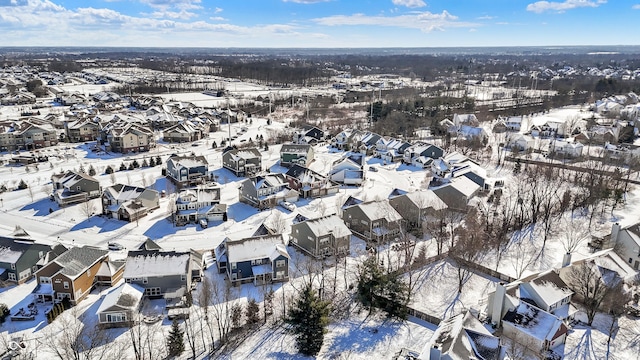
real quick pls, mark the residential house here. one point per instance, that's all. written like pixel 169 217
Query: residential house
pixel 462 337
pixel 261 260
pixel 188 170
pixel 457 193
pixel 520 142
pixel 308 135
pixel 308 183
pixel 364 143
pixel 417 154
pixel 300 154
pixel 460 120
pixel 120 307
pixel 545 126
pixel 565 148
pixel 390 150
pixel 342 141
pixel 265 191
pixel 375 221
pixel 514 123
pixel 626 242
pixel 242 162
pixel 20 258
pixel 417 206
pixel 28 134
pixel 184 131
pixel 160 273
pixel 202 203
pixel 74 187
pixel 72 275
pixel 126 137
pixel 129 203
pixel 473 133
pixel 533 310
pixel 323 236
pixel 81 130
pixel 349 169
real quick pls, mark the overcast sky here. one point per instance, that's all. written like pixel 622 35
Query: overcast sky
pixel 318 23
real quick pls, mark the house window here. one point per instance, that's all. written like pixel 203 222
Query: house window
pixel 78 188
pixel 279 274
pixel 280 263
pixel 183 277
pixel 154 291
pixel 324 240
pixel 13 266
pixel 145 280
pixel 12 276
pixel 116 317
pixel 66 284
pixel 45 280
pixel 34 268
pixel 127 280
pixel 630 261
pixel 234 266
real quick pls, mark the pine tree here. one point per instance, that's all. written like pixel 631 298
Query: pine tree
pixel 108 170
pixel 92 171
pixel 517 167
pixel 253 312
pixel 135 164
pixel 266 147
pixel 152 162
pixel 145 163
pixel 309 317
pixel 22 185
pixel 123 167
pixel 131 167
pixel 81 169
pixel 158 160
pixel 175 341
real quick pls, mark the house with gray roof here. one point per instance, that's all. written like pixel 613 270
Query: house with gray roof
pixel 120 306
pixel 309 183
pixel 375 221
pixel 187 171
pixel 73 274
pixel 129 203
pixel 321 236
pixel 159 273
pixel 265 191
pixel 74 187
pixel 416 206
pixel 202 203
pixel 260 259
pixel 301 154
pixel 19 258
pixel 242 162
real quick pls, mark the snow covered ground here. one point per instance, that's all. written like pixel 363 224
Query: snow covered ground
pixel 358 337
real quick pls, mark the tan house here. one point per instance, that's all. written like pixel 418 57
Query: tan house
pixel 73 274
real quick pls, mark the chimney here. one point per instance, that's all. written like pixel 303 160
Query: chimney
pixel 435 353
pixel 498 300
pixel 566 259
pixel 615 230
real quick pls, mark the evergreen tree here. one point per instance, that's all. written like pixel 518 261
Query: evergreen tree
pixel 92 171
pixel 81 169
pixel 214 145
pixel 123 167
pixel 145 163
pixel 175 341
pixel 517 167
pixel 22 185
pixel 380 289
pixel 108 170
pixel 152 162
pixel 158 160
pixel 253 312
pixel 266 147
pixel 135 164
pixel 309 317
pixel 131 167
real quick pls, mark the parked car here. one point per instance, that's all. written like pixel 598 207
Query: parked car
pixel 204 223
pixel 287 205
pixel 371 168
pixel 114 246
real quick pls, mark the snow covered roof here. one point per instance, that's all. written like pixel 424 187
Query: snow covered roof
pixel 126 296
pixel 380 209
pixel 535 322
pixel 259 247
pixel 550 287
pixel 156 263
pixel 463 337
pixel 426 198
pixel 328 224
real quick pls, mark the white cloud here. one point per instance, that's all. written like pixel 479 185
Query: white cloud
pixel 217 18
pixel 486 17
pixel 217 10
pixel 410 3
pixel 178 4
pixel 636 7
pixel 543 6
pixel 182 14
pixel 425 21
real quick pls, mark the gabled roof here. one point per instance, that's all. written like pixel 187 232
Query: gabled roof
pixel 253 248
pixel 295 148
pixel 142 263
pixel 331 224
pixel 380 210
pixel 77 260
pixel 535 322
pixel 125 297
pixel 188 161
pixel 549 286
pixel 463 337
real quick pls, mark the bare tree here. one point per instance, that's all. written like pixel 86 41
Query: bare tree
pixel 469 248
pixel 278 222
pixel 205 301
pixel 523 251
pixel 590 288
pixel 575 234
pixel 143 342
pixel 88 208
pixel 112 178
